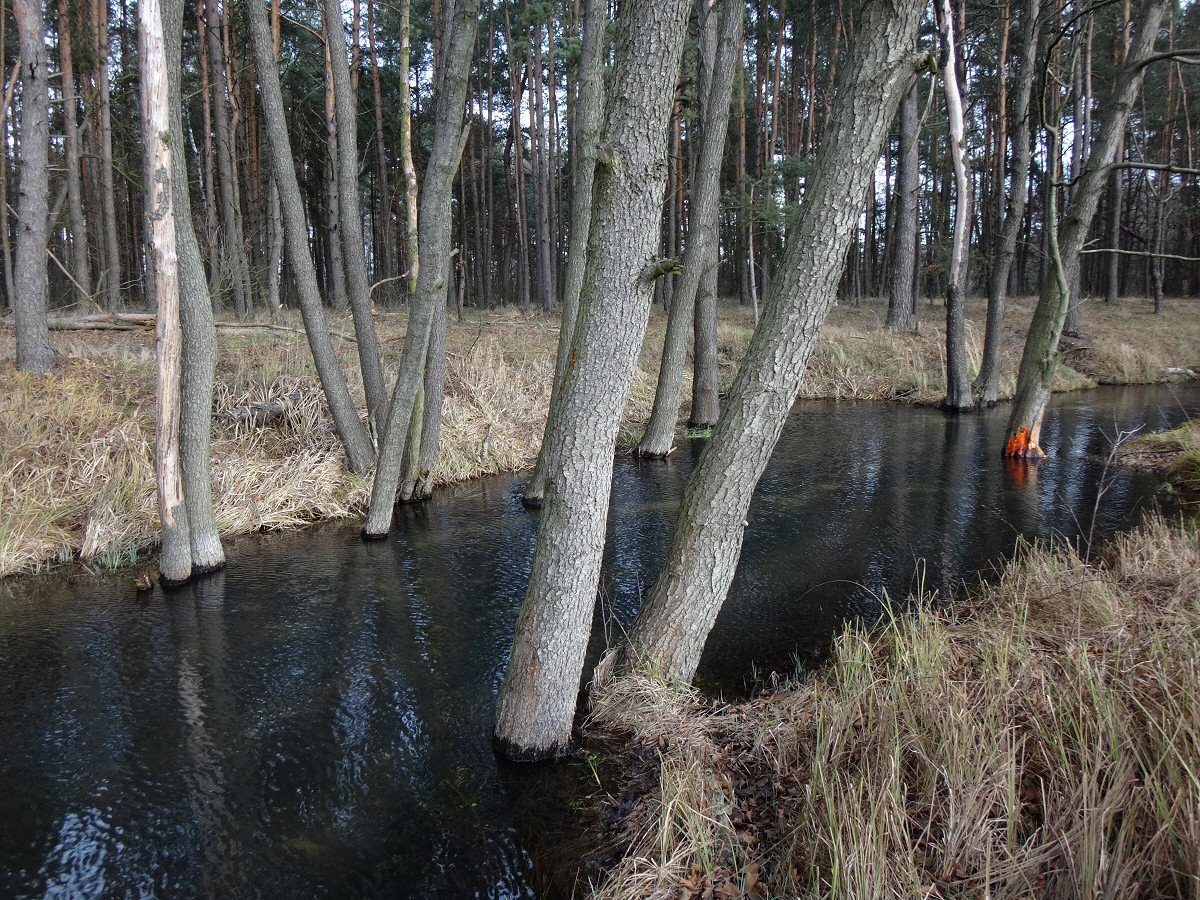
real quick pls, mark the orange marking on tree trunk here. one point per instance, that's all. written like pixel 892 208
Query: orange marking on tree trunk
pixel 1020 446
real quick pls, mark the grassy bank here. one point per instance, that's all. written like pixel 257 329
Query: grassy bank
pixel 1039 739
pixel 76 447
pixel 1174 455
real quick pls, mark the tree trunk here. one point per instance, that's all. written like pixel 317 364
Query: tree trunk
pixel 34 353
pixel 175 563
pixel 335 270
pixel 958 385
pixel 411 238
pixel 450 132
pixel 987 383
pixel 345 417
pixel 536 704
pixel 900 314
pixel 386 224
pixel 112 251
pixel 80 269
pixel 700 256
pixel 1040 357
pixel 350 214
pixel 588 111
pixel 671 628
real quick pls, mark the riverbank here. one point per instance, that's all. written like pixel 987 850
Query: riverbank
pixel 76 447
pixel 1039 738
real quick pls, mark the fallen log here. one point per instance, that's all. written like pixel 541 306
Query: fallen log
pixel 256 415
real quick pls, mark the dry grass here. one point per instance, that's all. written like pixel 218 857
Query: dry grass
pixel 76 447
pixel 1174 454
pixel 1040 739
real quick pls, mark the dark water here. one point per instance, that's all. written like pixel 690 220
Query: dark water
pixel 315 721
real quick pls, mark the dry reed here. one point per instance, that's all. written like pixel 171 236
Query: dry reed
pixel 1039 739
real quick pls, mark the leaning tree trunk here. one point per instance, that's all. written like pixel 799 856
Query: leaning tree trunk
pixel 588 110
pixel 900 314
pixel 345 417
pixel 987 382
pixel 34 353
pixel 350 214
pixel 450 133
pixel 671 628
pixel 199 357
pixel 537 700
pixel 1040 357
pixel 175 563
pixel 958 385
pixel 700 257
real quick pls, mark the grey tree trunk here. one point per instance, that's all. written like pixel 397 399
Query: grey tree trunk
pixel 426 425
pixel 537 700
pixel 987 382
pixel 175 562
pixel 350 214
pixel 34 353
pixel 345 417
pixel 671 628
pixel 450 133
pixel 700 255
pixel 1040 357
pixel 80 269
pixel 900 314
pixel 199 354
pixel 588 111
pixel 112 249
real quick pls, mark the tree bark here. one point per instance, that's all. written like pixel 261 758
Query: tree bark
pixel 588 111
pixel 34 353
pixel 671 628
pixel 175 562
pixel 350 214
pixel 345 417
pixel 537 700
pixel 112 252
pixel 1040 357
pixel 80 268
pixel 450 132
pixel 900 314
pixel 987 383
pixel 700 256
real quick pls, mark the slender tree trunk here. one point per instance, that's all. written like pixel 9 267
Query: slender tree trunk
pixel 700 257
pixel 386 223
pixel 450 133
pixel 350 214
pixel 670 631
pixel 345 417
pixel 987 383
pixel 80 268
pixel 1040 357
pixel 10 84
pixel 112 252
pixel 34 353
pixel 900 314
pixel 335 282
pixel 588 111
pixel 175 562
pixel 958 385
pixel 411 238
pixel 537 700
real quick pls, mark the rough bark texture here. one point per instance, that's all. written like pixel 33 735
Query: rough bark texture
pixel 199 357
pixel 587 120
pixel 175 562
pixel 958 385
pixel 671 629
pixel 34 353
pixel 345 417
pixel 434 252
pixel 80 269
pixel 987 382
pixel 1040 357
pixel 350 214
pixel 700 256
pixel 537 700
pixel 901 312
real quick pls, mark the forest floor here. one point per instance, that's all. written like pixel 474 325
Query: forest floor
pixel 76 447
pixel 1039 738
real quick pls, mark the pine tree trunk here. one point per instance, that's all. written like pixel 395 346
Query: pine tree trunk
pixel 345 417
pixel 679 611
pixel 450 133
pixel 987 383
pixel 1040 357
pixel 700 257
pixel 588 111
pixel 80 269
pixel 109 231
pixel 537 700
pixel 34 353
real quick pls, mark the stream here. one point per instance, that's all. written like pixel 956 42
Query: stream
pixel 315 720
